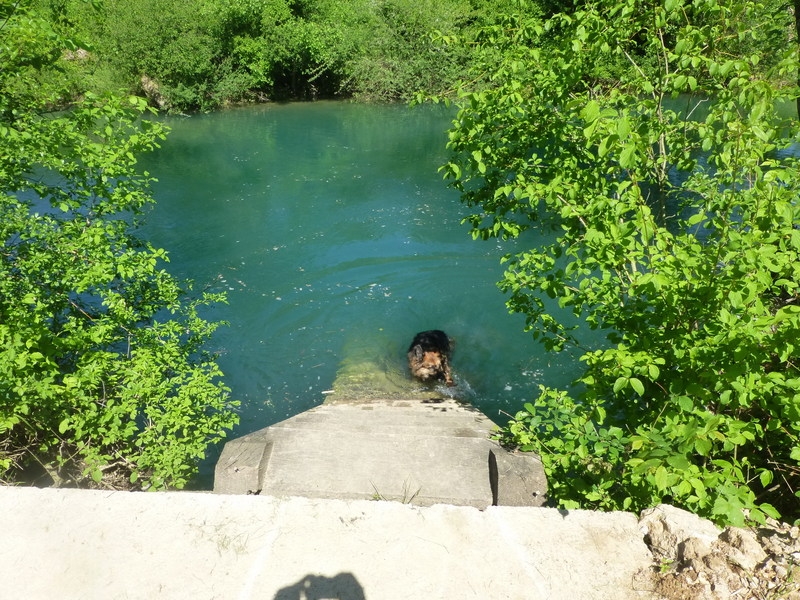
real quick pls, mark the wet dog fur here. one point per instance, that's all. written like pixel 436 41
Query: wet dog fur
pixel 429 356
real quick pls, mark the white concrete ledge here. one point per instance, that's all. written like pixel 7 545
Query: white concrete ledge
pixel 77 544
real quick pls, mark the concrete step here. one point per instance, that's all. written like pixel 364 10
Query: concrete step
pixel 421 468
pixel 431 420
pixel 414 452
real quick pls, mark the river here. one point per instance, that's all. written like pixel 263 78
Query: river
pixel 333 234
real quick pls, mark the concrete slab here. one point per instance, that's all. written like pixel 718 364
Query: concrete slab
pixel 426 452
pixel 71 544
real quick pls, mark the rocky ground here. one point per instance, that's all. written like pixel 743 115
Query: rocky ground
pixel 693 559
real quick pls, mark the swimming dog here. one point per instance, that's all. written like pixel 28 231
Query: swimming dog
pixel 429 356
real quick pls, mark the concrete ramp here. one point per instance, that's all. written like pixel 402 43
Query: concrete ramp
pixel 417 451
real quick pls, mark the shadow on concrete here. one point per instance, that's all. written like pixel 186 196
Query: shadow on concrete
pixel 439 403
pixel 343 586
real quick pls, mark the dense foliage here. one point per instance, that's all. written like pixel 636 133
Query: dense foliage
pixel 189 54
pixel 640 147
pixel 103 376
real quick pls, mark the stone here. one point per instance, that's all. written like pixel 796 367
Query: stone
pixel 717 565
pixel 741 548
pixel 517 478
pixel 665 527
pixel 152 90
pixel 241 469
pixel 691 552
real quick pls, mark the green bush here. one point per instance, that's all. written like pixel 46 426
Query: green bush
pixel 103 374
pixel 406 52
pixel 673 202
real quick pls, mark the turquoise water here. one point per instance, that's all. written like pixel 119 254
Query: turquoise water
pixel 334 236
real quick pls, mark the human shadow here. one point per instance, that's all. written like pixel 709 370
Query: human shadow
pixel 343 586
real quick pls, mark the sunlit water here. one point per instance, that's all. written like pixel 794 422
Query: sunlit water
pixel 334 236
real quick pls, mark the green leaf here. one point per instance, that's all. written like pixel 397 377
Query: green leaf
pixel 653 371
pixel 623 128
pixel 770 510
pixel 702 446
pixel 591 111
pixel 730 511
pixel 735 299
pixel 95 340
pixel 765 477
pixel 678 461
pixel 637 385
pixel 627 156
pixel 661 478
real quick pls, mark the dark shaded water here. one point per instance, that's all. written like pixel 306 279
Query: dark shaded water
pixel 334 235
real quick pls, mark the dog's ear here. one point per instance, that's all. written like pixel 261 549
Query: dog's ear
pixel 418 353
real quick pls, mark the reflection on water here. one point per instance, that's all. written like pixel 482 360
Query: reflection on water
pixel 336 240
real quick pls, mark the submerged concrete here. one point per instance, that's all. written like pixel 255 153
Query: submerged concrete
pixel 420 450
pixel 104 545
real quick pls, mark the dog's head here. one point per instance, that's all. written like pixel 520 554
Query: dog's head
pixel 429 365
pixel 426 364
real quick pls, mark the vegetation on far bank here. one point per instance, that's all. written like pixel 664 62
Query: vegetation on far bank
pixel 203 54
